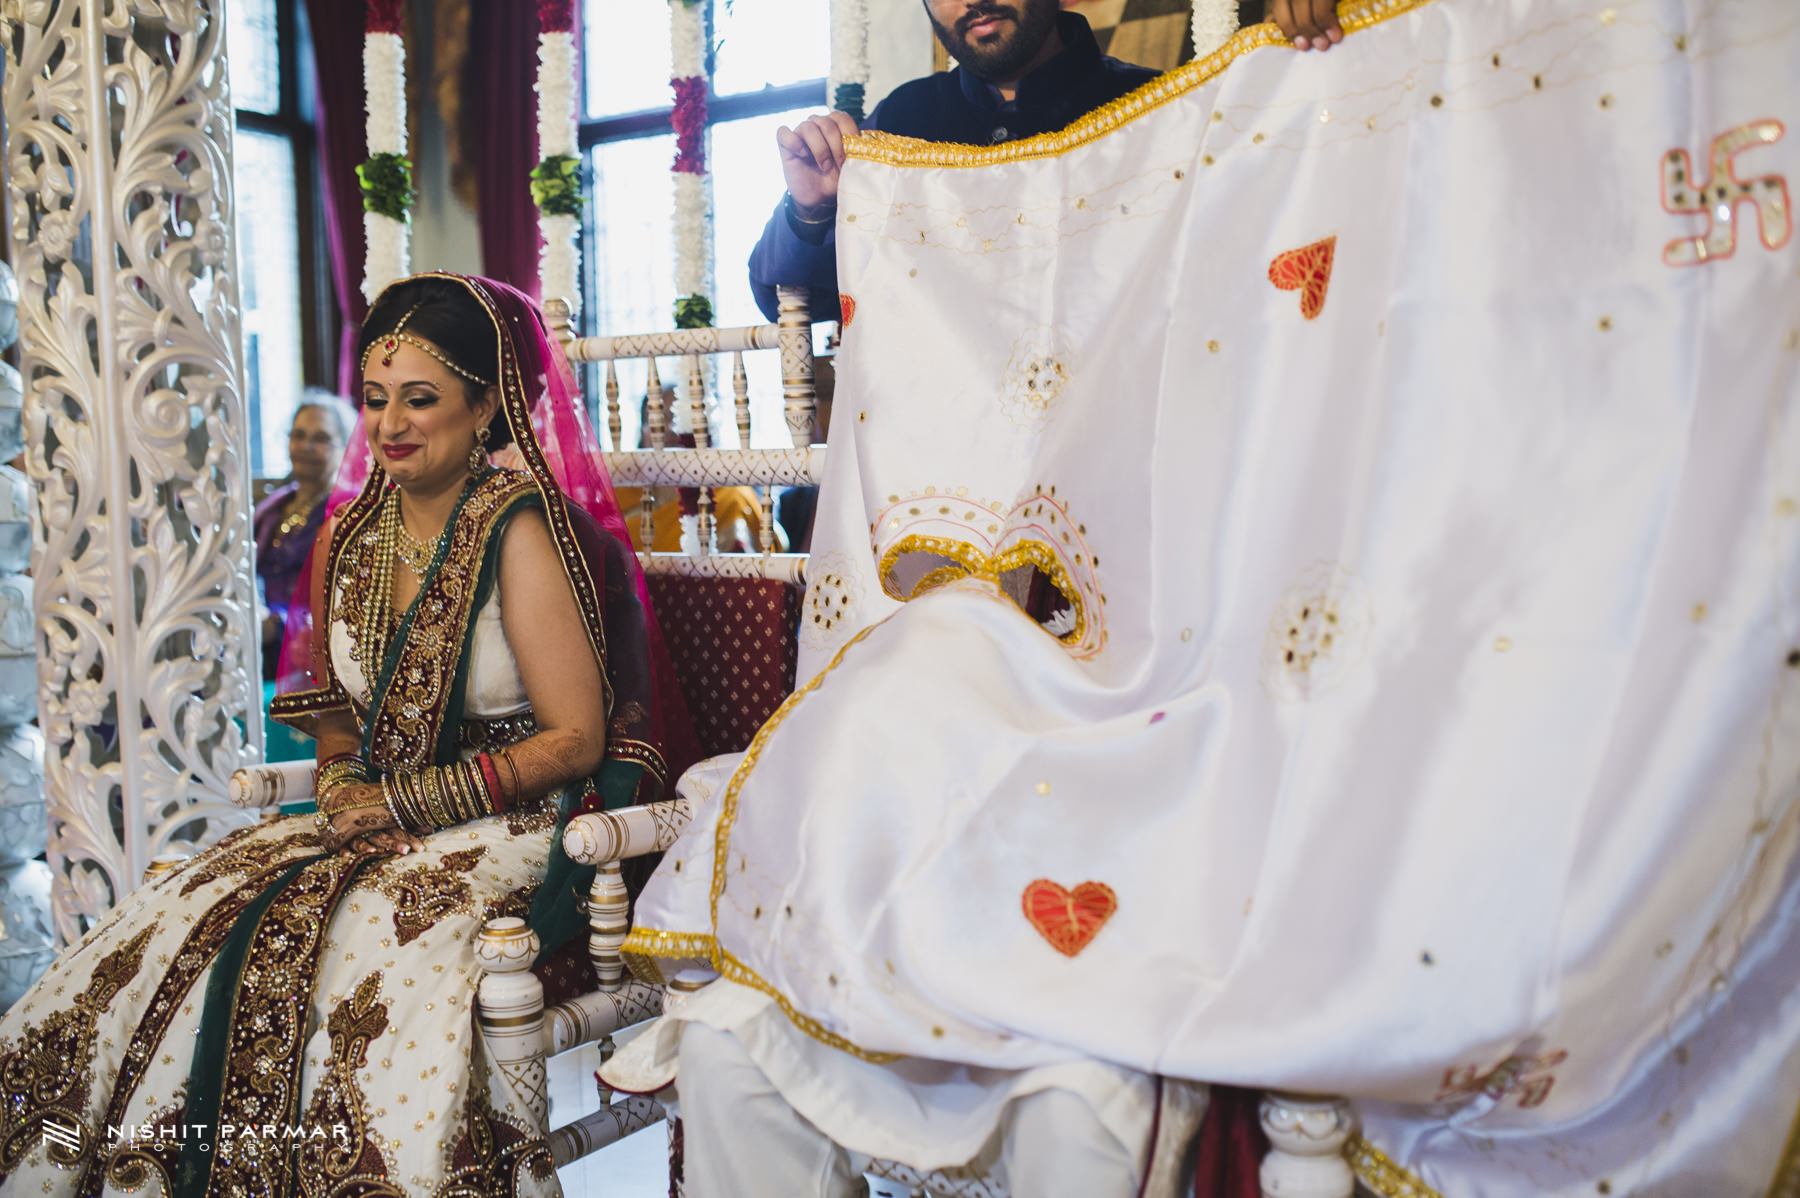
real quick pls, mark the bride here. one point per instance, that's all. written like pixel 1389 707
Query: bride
pixel 291 1012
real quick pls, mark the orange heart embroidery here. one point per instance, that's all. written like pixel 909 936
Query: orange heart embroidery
pixel 1069 919
pixel 1306 270
pixel 847 309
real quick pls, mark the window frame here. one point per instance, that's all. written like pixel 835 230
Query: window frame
pixel 294 123
pixel 594 131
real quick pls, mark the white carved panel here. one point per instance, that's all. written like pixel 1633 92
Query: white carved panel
pixel 118 155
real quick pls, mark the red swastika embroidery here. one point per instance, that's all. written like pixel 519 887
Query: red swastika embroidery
pixel 1717 197
pixel 1527 1077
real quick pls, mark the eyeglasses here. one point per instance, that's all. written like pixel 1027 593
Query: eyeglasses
pixel 322 440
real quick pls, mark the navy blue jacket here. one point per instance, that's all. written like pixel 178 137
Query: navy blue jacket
pixel 950 106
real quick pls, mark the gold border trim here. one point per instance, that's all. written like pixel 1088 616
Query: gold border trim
pixel 644 945
pixel 1375 1169
pixel 893 150
pixel 1786 1183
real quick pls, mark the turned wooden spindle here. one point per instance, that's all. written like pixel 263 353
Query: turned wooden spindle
pixel 510 1010
pixel 652 437
pixel 558 317
pixel 740 398
pixel 795 338
pixel 163 863
pixel 696 383
pixel 614 423
pixel 1307 1133
pixel 609 922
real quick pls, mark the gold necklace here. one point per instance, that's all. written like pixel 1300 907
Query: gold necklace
pixel 415 553
pixel 296 516
pixel 370 645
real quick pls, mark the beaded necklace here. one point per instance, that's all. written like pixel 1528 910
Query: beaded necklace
pixel 415 553
pixel 378 610
pixel 295 516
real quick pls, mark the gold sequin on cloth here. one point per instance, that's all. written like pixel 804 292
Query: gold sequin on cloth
pixel 230 857
pixel 988 539
pixel 326 1162
pixel 426 894
pixel 266 1042
pixel 44 1080
pixel 1038 374
pixel 142 1157
pixel 486 736
pixel 1376 1171
pixel 492 1149
pixel 196 954
pixel 1318 635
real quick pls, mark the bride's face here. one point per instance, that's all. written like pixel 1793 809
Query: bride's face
pixel 418 419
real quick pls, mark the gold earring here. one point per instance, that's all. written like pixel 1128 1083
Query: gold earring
pixel 478 458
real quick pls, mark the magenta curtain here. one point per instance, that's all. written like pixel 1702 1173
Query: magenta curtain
pixel 337 29
pixel 500 137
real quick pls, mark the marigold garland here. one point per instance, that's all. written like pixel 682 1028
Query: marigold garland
pixel 383 16
pixel 556 16
pixel 689 119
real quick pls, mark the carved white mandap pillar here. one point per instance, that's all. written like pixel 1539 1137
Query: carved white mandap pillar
pixel 118 151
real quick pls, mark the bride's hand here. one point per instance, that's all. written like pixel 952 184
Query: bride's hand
pixel 364 824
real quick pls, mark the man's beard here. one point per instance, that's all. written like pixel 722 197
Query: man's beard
pixel 1005 58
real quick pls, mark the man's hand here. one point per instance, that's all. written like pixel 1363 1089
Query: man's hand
pixel 1312 24
pixel 811 156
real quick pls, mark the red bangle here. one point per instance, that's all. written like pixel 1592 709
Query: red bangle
pixel 490 777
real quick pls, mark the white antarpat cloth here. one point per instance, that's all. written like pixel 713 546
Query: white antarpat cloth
pixel 1415 432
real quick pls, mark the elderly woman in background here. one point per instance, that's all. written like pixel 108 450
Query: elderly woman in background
pixel 288 519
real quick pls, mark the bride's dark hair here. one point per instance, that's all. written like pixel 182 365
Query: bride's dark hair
pixel 445 314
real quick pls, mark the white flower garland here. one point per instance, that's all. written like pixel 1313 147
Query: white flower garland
pixel 690 234
pixel 1214 23
pixel 556 94
pixel 687 39
pixel 384 81
pixel 693 226
pixel 386 255
pixel 558 270
pixel 849 46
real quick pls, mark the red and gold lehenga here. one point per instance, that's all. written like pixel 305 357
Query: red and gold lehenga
pixel 280 1020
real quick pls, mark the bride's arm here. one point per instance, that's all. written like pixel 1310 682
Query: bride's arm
pixel 549 642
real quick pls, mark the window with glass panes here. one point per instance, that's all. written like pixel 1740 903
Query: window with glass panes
pixel 278 248
pixel 769 63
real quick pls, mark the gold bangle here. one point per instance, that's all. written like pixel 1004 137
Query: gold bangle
pixel 431 786
pixel 390 795
pixel 459 799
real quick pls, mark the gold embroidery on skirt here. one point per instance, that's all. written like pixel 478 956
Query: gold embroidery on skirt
pixel 491 1150
pixel 227 858
pixel 192 959
pixel 266 1047
pixel 426 894
pixel 44 1082
pixel 326 1162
